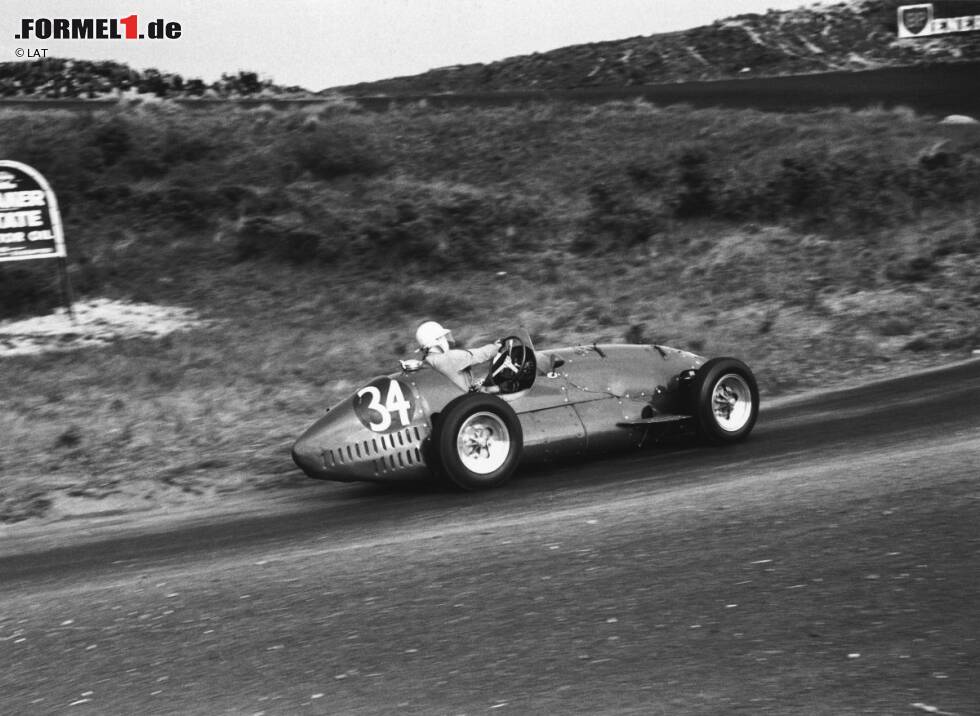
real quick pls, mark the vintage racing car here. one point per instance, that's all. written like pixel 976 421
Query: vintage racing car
pixel 553 404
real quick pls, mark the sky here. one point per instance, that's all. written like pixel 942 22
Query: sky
pixel 327 43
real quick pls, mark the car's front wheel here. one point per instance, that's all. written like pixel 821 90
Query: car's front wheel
pixel 479 441
pixel 726 400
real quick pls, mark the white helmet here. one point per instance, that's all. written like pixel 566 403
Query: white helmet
pixel 430 334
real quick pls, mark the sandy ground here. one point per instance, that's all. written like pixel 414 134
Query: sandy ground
pixel 97 322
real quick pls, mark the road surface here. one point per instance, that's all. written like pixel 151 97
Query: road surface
pixel 829 565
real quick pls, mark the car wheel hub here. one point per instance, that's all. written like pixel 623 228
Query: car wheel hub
pixel 483 443
pixel 731 402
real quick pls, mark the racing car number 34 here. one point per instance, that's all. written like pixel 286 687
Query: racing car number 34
pixel 384 405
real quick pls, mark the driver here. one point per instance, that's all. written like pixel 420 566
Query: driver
pixel 435 343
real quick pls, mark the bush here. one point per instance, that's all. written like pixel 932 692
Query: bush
pixel 444 229
pixel 615 221
pixel 179 204
pixel 113 139
pixel 851 187
pixel 264 237
pixel 895 326
pixel 183 144
pixel 915 269
pixel 333 151
pixel 695 185
pixel 944 176
pixel 636 334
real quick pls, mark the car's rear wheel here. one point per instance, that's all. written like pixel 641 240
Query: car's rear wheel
pixel 479 441
pixel 726 400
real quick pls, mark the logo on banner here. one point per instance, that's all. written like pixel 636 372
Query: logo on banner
pixel 30 225
pixel 914 19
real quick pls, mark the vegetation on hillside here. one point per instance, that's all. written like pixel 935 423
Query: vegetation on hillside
pixel 60 78
pixel 815 246
pixel 821 37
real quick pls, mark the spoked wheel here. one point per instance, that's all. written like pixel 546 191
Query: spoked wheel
pixel 479 441
pixel 727 400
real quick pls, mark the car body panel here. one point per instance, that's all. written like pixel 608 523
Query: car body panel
pixel 553 433
pixel 584 399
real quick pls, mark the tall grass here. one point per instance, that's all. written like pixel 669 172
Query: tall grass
pixel 442 190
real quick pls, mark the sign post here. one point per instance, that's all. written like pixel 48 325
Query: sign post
pixel 30 223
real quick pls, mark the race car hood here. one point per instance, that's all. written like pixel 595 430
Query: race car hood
pixel 379 432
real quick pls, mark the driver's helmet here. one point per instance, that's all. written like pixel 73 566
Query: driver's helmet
pixel 431 335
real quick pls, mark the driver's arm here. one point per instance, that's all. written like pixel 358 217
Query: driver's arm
pixel 483 353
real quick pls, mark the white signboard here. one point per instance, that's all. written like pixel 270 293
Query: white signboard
pixel 30 225
pixel 920 21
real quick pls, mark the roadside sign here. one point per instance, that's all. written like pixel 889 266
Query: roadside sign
pixel 922 20
pixel 30 223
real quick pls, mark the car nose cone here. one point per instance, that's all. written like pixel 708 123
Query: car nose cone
pixel 306 456
pixel 331 432
pixel 340 446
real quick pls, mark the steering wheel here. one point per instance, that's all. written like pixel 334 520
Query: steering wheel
pixel 512 366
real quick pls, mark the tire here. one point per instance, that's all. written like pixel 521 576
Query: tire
pixel 726 400
pixel 479 441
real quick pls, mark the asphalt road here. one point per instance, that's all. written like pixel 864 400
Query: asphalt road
pixel 829 565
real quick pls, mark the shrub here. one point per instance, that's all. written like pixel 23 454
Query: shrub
pixel 646 175
pixel 800 185
pixel 442 229
pixel 113 140
pixel 915 269
pixel 185 144
pixel 694 185
pixel 180 204
pixel 850 187
pixel 265 237
pixel 70 438
pixel 615 220
pixel 330 151
pixel 919 344
pixel 944 176
pixel 636 334
pixel 895 326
